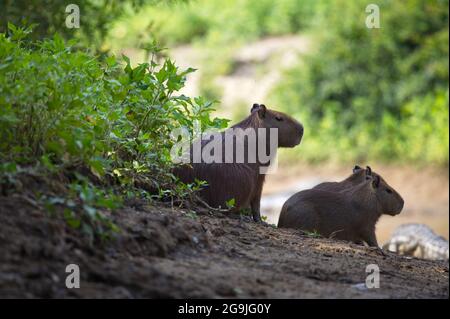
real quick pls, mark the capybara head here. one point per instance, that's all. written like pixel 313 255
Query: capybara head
pixel 290 131
pixel 387 199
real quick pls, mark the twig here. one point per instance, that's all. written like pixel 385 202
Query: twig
pixel 221 210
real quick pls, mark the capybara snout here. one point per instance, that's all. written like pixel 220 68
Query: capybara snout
pixel 388 198
pixel 391 201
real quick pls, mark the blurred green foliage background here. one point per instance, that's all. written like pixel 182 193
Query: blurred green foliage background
pixel 216 21
pixel 375 93
pixel 361 93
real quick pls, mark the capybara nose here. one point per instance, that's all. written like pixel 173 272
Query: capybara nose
pixel 300 136
pixel 400 205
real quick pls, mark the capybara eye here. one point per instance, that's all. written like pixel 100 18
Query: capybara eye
pixel 389 191
pixel 278 118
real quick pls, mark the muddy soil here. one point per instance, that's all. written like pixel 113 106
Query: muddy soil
pixel 164 252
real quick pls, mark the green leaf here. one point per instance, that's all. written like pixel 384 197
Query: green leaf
pixel 230 203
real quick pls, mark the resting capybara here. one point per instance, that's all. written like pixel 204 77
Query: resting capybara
pixel 358 176
pixel 241 180
pixel 347 215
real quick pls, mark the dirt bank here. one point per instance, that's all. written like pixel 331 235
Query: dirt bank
pixel 166 253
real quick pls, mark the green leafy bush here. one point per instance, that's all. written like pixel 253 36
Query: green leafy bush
pixel 374 93
pixel 96 17
pixel 63 110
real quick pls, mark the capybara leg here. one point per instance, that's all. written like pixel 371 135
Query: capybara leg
pixel 256 211
pixel 255 204
pixel 371 240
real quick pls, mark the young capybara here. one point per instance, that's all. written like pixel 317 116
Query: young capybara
pixel 348 215
pixel 357 177
pixel 241 180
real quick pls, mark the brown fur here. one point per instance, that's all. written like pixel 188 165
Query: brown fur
pixel 358 176
pixel 241 181
pixel 348 215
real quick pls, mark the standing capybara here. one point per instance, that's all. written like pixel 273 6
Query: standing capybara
pixel 357 177
pixel 242 180
pixel 348 215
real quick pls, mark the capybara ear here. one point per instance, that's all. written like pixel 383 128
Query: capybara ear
pixel 356 169
pixel 262 111
pixel 376 181
pixel 254 107
pixel 368 171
